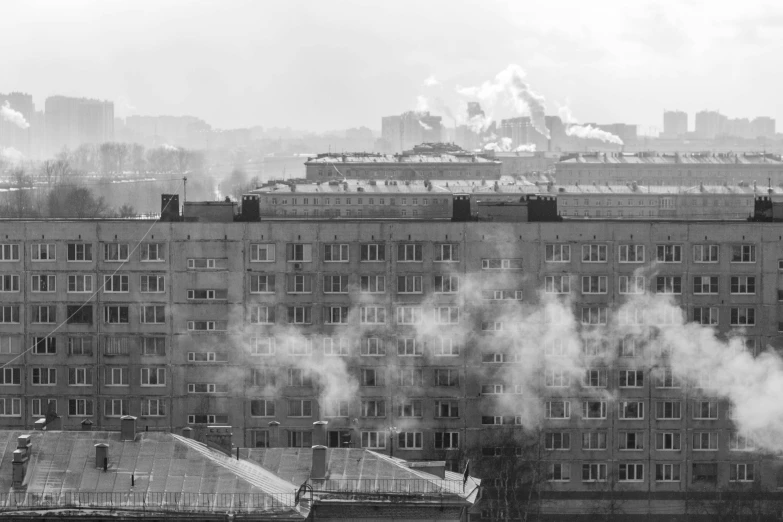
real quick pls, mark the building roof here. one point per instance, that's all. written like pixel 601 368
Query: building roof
pixel 661 190
pixel 418 187
pixel 654 158
pixel 169 472
pixel 360 158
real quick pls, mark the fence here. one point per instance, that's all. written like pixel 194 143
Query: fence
pixel 193 502
pixel 408 486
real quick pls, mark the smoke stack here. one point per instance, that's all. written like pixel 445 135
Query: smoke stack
pixel 101 454
pixel 319 433
pixel 128 428
pixel 274 434
pixel 318 470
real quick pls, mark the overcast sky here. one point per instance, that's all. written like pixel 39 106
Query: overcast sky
pixel 325 64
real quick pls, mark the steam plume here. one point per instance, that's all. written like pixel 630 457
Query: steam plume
pixel 431 81
pixel 13 116
pixel 11 155
pixel 526 147
pixel 424 125
pixel 503 146
pixel 590 132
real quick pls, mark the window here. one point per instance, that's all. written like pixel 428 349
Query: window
pixel 116 345
pixel 300 283
pixel 153 346
pixel 444 347
pixel 705 253
pixel 559 472
pixel 44 314
pixel 260 439
pixel 631 473
pixel 300 439
pixel 594 315
pixel 705 472
pixel 262 252
pixel 300 315
pixel 741 472
pixel 668 284
pixel 335 346
pixel 10 376
pixel 207 419
pixel 262 346
pixel 44 345
pixel 409 315
pixel 595 378
pixel 299 252
pixel 10 252
pixel 409 252
pixel 373 408
pixel 743 285
pixel 9 283
pixel 372 377
pixel 153 408
pixel 667 410
pixel 153 284
pixel 153 314
pixel 447 252
pixel 408 347
pixel 40 407
pixel 335 284
pixel 80 407
pixel 705 315
pixel 631 253
pixel 409 284
pixel 705 440
pixel 337 253
pixel 115 283
pixel 335 315
pixel 501 264
pixel 447 315
pixel 557 253
pixel 705 410
pixel 557 440
pixel 559 284
pixel 372 315
pixel 594 284
pixel 594 409
pixel 115 407
pixel 116 252
pixel 78 283
pixel 300 408
pixel 44 283
pixel 299 377
pixel 410 377
pixel 447 440
pixel 207 326
pixel 373 284
pixel 262 284
pixel 373 346
pixel 593 472
pixel 743 316
pixel 446 284
pixel 594 253
pixel 557 410
pixel 631 378
pixel 409 408
pixel 446 377
pixel 739 442
pixel 630 410
pixel 631 440
pixel 410 440
pixel 628 347
pixel 373 252
pixel 153 252
pixel 40 252
pixel 206 263
pixel 10 407
pixel 153 376
pixel 669 253
pixel 336 409
pixel 374 439
pixel 631 284
pixel 262 314
pixel 116 376
pixel 43 376
pixel 743 253
pixel 446 409
pixel 703 285
pixel 667 441
pixel 79 252
pixel 204 387
pixel 557 378
pixel 78 314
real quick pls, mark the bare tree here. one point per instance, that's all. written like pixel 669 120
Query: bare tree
pixel 20 203
pixel 69 201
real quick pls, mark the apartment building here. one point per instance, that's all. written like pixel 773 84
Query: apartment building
pixel 396 334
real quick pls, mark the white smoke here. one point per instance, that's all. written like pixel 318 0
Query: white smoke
pixel 424 125
pixel 526 147
pixel 431 81
pixel 590 132
pixel 11 155
pixel 166 146
pixel 13 116
pixel 503 146
pixel 508 85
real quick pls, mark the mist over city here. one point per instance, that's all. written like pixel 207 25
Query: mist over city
pixel 407 261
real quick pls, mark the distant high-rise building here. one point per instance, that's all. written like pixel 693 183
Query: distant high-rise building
pixel 15 132
pixel 71 122
pixel 154 131
pixel 710 124
pixel 409 129
pixel 675 124
pixel 763 126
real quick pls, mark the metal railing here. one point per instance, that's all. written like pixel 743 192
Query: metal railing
pixel 407 486
pixel 193 502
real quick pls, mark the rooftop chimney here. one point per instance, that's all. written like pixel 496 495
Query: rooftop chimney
pixel 21 458
pixel 219 438
pixel 86 425
pixel 187 432
pixel 274 434
pixel 319 433
pixel 127 427
pixel 318 470
pixel 101 455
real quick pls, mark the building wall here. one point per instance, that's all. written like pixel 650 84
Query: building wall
pixel 639 205
pixel 402 170
pixel 220 324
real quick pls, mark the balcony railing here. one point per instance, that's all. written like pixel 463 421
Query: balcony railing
pixel 407 486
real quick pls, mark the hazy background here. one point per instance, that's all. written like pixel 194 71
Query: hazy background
pixel 337 64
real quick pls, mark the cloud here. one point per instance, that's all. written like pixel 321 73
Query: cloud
pixel 430 81
pixel 13 116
